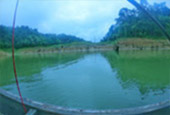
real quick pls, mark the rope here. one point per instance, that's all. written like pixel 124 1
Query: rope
pixel 13 56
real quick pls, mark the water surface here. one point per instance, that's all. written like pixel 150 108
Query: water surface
pixel 100 80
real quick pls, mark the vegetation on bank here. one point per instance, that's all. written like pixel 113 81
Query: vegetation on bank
pixel 28 37
pixel 123 43
pixel 143 43
pixel 74 46
pixel 133 23
pixel 47 49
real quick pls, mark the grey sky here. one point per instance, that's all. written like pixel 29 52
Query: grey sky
pixel 88 19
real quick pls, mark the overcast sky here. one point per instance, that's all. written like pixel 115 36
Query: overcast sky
pixel 88 19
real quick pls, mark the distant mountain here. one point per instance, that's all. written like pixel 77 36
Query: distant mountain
pixel 28 37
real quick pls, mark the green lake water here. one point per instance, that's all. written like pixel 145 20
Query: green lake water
pixel 100 80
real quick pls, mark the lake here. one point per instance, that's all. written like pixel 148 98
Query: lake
pixel 98 80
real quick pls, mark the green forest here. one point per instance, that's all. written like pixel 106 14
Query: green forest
pixel 27 37
pixel 133 23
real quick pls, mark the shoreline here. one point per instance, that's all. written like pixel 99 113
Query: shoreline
pixel 133 44
pixel 38 51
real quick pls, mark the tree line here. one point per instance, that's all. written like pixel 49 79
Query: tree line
pixel 28 37
pixel 133 23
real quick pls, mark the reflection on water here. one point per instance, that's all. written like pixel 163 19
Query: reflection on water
pixel 30 66
pixel 146 70
pixel 103 80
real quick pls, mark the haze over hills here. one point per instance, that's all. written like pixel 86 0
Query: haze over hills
pixel 88 19
pixel 131 23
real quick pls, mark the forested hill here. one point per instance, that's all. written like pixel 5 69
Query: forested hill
pixel 133 23
pixel 27 37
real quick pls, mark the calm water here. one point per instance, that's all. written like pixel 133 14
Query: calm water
pixel 103 80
